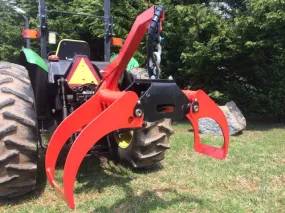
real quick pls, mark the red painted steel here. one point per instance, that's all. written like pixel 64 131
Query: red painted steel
pixel 76 120
pixel 87 137
pixel 114 70
pixel 207 108
pixel 110 104
pixel 121 115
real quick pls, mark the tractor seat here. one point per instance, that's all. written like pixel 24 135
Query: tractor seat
pixel 67 49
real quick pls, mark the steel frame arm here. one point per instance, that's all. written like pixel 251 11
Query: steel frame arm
pixel 113 72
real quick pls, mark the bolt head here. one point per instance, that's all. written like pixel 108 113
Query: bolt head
pixel 138 112
pixel 196 108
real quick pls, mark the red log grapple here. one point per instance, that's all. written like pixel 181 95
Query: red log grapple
pixel 146 100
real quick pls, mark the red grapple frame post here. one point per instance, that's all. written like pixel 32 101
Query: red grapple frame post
pixel 110 104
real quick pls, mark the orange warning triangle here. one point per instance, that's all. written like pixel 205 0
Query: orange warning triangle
pixel 82 74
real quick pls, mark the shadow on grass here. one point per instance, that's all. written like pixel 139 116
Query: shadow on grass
pixel 97 174
pixel 148 201
pixel 93 176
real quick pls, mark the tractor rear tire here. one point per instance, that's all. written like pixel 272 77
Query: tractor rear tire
pixel 18 135
pixel 148 145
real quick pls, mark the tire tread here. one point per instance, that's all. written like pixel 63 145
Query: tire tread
pixel 18 135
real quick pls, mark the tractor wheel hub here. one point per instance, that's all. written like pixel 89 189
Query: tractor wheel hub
pixel 124 139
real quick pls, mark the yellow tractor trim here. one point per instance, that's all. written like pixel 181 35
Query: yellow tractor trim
pixel 58 46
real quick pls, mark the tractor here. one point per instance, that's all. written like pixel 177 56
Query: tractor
pixel 111 106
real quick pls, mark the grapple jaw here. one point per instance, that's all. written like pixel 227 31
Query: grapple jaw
pixel 109 110
pixel 104 106
pixel 164 99
pixel 202 106
pixel 120 108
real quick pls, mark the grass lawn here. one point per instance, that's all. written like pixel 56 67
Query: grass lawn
pixel 251 179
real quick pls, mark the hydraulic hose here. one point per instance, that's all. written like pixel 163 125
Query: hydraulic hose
pixel 153 41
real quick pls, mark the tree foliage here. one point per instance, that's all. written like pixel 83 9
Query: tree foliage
pixel 10 33
pixel 234 50
pixel 239 57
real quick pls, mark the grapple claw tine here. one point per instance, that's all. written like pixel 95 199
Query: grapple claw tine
pixel 75 121
pixel 121 115
pixel 203 106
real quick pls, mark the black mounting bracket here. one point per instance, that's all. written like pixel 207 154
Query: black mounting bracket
pixel 160 99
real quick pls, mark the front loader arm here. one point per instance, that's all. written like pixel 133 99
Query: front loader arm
pixel 109 110
pixel 114 71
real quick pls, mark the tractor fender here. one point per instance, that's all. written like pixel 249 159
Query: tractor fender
pixel 38 74
pixel 33 58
